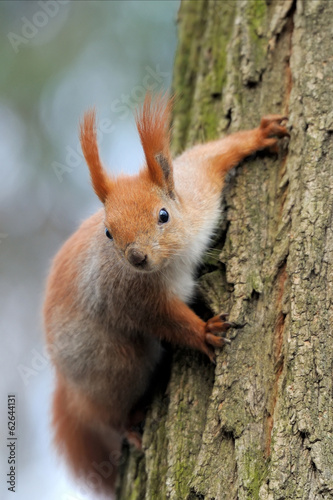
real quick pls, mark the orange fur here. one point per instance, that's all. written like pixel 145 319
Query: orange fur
pixel 88 449
pixel 101 182
pixel 105 311
pixel 153 122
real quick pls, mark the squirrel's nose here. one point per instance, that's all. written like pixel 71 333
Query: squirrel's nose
pixel 136 257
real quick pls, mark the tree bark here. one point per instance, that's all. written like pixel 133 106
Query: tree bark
pixel 259 424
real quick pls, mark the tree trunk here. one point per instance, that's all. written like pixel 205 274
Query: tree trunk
pixel 259 424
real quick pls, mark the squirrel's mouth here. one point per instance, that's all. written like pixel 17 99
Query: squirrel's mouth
pixel 146 266
pixel 142 266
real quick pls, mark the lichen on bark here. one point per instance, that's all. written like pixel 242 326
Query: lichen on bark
pixel 259 424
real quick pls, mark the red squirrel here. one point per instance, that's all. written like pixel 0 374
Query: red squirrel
pixel 121 282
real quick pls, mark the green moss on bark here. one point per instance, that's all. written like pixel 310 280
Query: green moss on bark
pixel 256 469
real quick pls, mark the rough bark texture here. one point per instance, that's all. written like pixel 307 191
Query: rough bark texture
pixel 259 424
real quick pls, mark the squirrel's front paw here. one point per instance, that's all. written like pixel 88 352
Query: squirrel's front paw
pixel 217 324
pixel 270 126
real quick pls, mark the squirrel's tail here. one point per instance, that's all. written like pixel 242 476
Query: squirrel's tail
pixel 93 453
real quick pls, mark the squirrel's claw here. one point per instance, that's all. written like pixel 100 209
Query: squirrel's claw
pixel 271 124
pixel 217 324
pixel 270 128
pixel 216 341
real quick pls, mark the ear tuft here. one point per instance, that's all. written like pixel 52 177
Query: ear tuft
pixel 88 136
pixel 153 123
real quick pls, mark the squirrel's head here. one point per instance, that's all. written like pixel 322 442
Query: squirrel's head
pixel 143 216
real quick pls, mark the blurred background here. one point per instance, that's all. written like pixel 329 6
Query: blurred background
pixel 58 58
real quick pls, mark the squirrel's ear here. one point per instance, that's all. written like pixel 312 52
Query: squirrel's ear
pixel 153 123
pixel 101 182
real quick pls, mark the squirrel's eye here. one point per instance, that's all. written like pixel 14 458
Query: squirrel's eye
pixel 163 216
pixel 108 234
